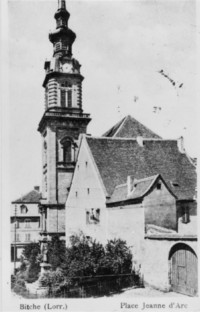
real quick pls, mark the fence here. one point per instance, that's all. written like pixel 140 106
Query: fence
pixel 101 285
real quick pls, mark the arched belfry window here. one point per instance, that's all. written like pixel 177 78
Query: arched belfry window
pixel 68 146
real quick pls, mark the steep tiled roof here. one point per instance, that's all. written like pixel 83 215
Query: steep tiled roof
pixel 129 127
pixel 118 158
pixel 31 197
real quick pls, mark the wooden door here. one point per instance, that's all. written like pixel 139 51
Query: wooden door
pixel 184 270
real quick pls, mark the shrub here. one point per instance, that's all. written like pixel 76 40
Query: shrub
pixel 52 278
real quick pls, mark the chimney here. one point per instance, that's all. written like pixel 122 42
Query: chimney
pixel 140 141
pixel 37 188
pixel 129 185
pixel 180 143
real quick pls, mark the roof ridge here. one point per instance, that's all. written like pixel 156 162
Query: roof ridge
pixel 120 126
pixel 131 139
pixel 147 178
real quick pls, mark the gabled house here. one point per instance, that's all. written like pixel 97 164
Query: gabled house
pixel 141 189
pixel 25 222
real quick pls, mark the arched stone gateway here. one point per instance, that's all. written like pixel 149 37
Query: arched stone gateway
pixel 183 271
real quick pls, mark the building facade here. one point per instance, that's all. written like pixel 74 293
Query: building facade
pixel 142 190
pixel 25 222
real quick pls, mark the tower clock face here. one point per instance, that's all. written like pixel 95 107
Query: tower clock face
pixel 67 68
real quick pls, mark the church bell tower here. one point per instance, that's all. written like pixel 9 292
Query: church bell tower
pixel 61 124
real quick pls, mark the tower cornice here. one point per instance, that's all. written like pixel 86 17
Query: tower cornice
pixel 55 114
pixel 60 74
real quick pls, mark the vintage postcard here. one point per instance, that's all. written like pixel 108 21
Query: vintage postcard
pixel 100 148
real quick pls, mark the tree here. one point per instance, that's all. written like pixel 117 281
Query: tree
pixel 118 257
pixel 56 252
pixel 83 257
pixel 31 251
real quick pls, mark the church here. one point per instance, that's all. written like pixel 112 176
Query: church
pixel 129 183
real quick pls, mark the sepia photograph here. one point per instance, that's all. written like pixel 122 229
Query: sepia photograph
pixel 101 155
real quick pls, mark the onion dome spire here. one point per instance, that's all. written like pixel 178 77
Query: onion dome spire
pixel 63 37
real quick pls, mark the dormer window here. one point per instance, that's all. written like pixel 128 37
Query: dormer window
pixel 23 209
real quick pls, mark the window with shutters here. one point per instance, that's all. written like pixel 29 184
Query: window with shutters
pixel 27 223
pixel 27 237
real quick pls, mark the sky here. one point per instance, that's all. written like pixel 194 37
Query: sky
pixel 131 54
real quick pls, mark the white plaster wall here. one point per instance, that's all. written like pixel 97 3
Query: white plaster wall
pixel 156 263
pixel 188 228
pixel 86 192
pixel 127 223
